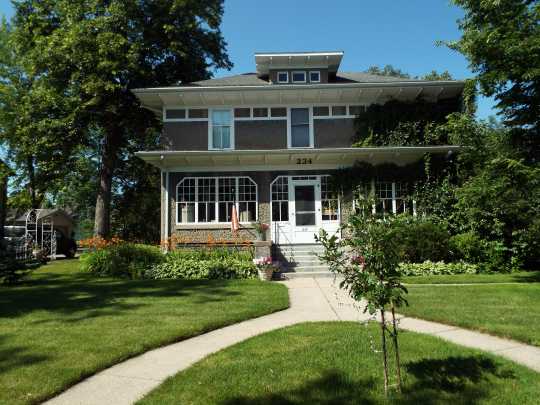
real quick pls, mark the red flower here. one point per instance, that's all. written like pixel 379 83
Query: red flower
pixel 359 260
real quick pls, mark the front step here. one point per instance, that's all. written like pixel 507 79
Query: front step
pixel 300 259
pixel 288 275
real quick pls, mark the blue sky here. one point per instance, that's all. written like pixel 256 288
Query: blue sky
pixel 396 32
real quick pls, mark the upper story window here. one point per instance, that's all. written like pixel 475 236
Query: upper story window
pixel 300 133
pixel 315 76
pixel 299 77
pixel 283 77
pixel 221 131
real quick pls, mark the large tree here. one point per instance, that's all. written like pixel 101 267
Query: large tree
pixel 97 50
pixel 501 40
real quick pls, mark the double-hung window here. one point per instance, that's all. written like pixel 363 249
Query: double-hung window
pixel 300 128
pixel 221 136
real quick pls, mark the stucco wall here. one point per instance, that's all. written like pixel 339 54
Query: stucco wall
pixel 271 134
pixel 192 135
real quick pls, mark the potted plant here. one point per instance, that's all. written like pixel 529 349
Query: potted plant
pixel 265 268
pixel 260 229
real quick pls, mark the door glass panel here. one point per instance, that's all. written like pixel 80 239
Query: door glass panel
pixel 304 197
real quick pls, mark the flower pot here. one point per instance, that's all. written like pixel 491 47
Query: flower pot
pixel 266 274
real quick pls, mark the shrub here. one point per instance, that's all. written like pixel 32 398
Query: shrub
pixel 421 239
pixel 191 268
pixel 12 271
pixel 211 253
pixel 122 260
pixel 467 247
pixel 526 246
pixel 429 268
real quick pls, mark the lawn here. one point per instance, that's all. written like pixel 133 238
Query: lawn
pixel 507 310
pixel 332 363
pixel 63 325
pixel 518 277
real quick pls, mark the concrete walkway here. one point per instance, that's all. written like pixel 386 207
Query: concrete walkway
pixel 311 300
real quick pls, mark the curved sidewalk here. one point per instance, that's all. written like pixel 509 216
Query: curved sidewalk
pixel 311 300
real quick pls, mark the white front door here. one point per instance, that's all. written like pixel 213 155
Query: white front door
pixel 305 201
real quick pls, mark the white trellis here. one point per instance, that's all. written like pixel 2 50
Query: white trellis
pixel 39 233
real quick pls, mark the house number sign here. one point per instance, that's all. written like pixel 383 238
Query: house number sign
pixel 303 161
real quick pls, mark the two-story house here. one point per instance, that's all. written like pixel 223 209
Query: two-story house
pixel 266 143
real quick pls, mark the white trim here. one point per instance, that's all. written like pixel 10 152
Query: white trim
pixel 167 203
pixel 281 72
pixel 211 125
pixel 298 81
pixel 318 73
pixel 331 53
pixel 289 128
pixel 216 202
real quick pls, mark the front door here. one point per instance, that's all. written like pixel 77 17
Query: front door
pixel 306 211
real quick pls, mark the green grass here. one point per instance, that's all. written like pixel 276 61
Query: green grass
pixel 507 310
pixel 519 277
pixel 332 363
pixel 63 325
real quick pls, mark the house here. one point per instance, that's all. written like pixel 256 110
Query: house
pixel 266 142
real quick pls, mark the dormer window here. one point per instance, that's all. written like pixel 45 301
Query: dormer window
pixel 299 77
pixel 315 76
pixel 283 77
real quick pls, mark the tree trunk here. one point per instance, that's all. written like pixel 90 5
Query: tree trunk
pixel 396 348
pixel 108 155
pixel 32 182
pixel 385 361
pixel 3 206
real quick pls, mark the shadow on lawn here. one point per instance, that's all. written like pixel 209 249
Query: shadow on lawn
pixel 432 381
pixel 78 293
pixel 16 357
pixel 531 277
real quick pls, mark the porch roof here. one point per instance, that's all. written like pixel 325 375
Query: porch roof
pixel 286 159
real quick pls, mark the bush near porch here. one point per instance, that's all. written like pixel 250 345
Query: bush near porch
pixel 136 261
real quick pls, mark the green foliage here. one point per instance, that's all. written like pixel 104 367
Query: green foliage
pixel 387 70
pixel 526 246
pixel 176 267
pixel 421 239
pixel 429 268
pixel 129 260
pixel 404 123
pixel 211 253
pixel 13 271
pixel 367 258
pixel 468 247
pixel 501 40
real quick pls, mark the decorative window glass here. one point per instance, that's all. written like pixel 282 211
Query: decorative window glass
pixel 383 192
pixel 280 199
pixel 329 201
pixel 185 201
pixel 278 112
pixel 242 112
pixel 283 77
pixel 321 111
pixel 260 112
pixel 339 110
pixel 198 113
pixel 356 109
pixel 221 129
pixel 299 77
pixel 315 76
pixel 300 137
pixel 211 199
pixel 175 114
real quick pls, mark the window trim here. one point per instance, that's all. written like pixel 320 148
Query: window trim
pixel 216 202
pixel 281 72
pixel 299 81
pixel 289 128
pixel 318 74
pixel 211 126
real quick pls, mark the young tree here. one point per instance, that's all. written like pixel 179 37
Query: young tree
pixel 96 51
pixel 367 257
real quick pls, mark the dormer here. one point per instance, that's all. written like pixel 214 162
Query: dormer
pixel 298 67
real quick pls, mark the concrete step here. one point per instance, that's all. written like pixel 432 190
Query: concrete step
pixel 305 263
pixel 305 274
pixel 308 269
